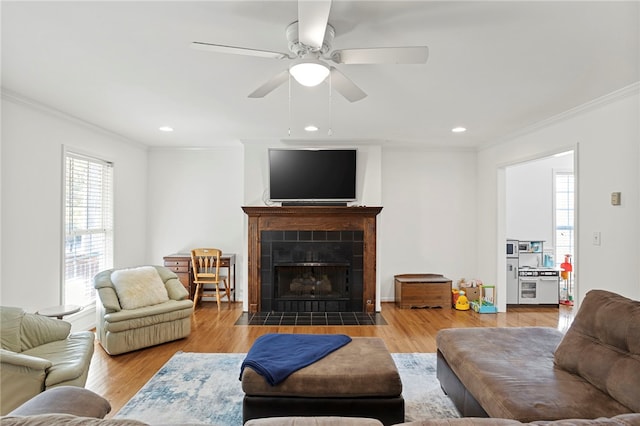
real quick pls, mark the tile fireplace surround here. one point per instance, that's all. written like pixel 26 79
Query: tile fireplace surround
pixel 334 220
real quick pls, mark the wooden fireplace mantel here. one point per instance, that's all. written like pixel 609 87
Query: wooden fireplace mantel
pixel 312 218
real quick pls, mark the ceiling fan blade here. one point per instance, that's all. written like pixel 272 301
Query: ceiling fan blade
pixel 270 85
pixel 346 87
pixel 382 55
pixel 237 50
pixel 313 16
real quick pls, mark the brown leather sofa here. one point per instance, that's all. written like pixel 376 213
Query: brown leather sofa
pixel 73 406
pixel 537 373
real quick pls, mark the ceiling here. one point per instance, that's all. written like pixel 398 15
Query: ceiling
pixel 494 68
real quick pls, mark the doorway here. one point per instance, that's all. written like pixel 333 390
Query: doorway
pixel 540 206
pixel 564 226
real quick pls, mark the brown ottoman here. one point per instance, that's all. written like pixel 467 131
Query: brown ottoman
pixel 358 380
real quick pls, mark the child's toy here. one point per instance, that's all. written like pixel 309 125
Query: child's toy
pixel 471 288
pixel 455 293
pixel 485 305
pixel 462 304
pixel 566 294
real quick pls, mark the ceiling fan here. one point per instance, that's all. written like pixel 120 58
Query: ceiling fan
pixel 309 41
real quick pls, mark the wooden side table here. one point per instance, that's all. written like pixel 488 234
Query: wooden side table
pixel 59 311
pixel 180 264
pixel 422 290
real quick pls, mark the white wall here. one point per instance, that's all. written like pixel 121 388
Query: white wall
pixel 529 198
pixel 605 135
pixel 195 200
pixel 427 223
pixel 32 141
pixel 430 203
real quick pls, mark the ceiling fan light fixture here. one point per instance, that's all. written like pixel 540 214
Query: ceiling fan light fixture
pixel 309 72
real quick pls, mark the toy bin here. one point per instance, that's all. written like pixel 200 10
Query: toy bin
pixel 486 303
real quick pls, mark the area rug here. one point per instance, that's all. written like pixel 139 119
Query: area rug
pixel 205 388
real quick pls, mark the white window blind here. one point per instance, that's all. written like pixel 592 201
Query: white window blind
pixel 88 224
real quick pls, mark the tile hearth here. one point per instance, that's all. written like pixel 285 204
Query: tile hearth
pixel 311 318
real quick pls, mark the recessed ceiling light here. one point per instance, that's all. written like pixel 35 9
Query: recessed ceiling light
pixel 311 128
pixel 165 129
pixel 458 129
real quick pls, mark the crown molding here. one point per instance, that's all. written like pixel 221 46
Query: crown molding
pixel 632 89
pixel 174 148
pixel 20 99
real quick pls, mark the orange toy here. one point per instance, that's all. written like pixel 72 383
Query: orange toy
pixel 567 268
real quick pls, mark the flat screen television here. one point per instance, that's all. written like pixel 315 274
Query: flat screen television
pixel 308 176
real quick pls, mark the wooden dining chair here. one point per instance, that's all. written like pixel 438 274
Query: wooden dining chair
pixel 205 263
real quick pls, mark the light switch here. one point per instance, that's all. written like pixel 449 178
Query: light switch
pixel 615 198
pixel 596 238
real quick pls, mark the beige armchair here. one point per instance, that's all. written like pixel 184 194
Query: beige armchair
pixel 140 307
pixel 39 353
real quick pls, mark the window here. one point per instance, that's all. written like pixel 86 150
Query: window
pixel 564 223
pixel 88 225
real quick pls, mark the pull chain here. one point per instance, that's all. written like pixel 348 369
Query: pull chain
pixel 330 132
pixel 289 80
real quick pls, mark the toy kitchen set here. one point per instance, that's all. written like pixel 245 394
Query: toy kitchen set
pixel 531 276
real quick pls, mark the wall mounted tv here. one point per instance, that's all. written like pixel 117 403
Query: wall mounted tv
pixel 312 176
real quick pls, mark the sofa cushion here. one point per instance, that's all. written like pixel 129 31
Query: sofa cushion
pixel 175 288
pixel 167 312
pixel 38 330
pixel 65 400
pixel 65 420
pixel 70 357
pixel 464 421
pixel 22 331
pixel 139 287
pixel 106 292
pixel 510 372
pixel 314 421
pixel 607 328
pixel 620 420
pixel 11 320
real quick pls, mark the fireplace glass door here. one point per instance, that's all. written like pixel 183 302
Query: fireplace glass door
pixel 312 287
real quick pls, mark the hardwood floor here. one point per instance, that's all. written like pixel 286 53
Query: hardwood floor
pixel 119 377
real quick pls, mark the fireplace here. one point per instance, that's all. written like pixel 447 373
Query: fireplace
pixel 311 271
pixel 311 287
pixel 290 248
pixel 311 281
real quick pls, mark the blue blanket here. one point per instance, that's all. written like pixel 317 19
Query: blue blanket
pixel 276 356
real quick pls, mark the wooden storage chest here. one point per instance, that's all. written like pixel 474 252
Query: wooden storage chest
pixel 422 291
